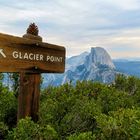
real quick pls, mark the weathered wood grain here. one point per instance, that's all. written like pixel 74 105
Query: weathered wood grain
pixel 29 96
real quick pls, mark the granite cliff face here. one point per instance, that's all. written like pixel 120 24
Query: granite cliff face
pixel 99 55
pixel 96 66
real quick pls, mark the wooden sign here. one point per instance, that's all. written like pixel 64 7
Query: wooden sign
pixel 21 54
pixel 30 57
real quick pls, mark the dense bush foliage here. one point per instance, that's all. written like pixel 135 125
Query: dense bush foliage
pixel 87 111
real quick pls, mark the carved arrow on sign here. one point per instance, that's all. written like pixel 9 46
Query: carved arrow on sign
pixel 2 53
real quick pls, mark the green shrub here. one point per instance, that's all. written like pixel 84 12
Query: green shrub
pixel 28 130
pixel 121 124
pixel 82 136
pixel 8 107
pixel 3 130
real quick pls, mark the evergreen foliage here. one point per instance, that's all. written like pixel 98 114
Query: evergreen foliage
pixel 85 111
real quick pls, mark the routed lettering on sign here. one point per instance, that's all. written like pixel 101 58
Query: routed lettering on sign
pixel 54 59
pixel 36 57
pixel 27 56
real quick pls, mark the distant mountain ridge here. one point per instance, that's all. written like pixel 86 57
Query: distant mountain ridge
pixel 96 65
pixel 129 67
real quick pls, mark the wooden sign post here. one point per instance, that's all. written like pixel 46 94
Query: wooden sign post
pixel 31 57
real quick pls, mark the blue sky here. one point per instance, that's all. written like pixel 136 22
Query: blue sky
pixel 78 24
